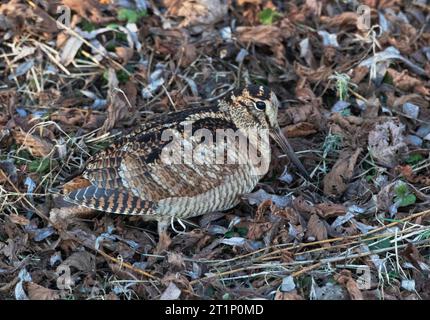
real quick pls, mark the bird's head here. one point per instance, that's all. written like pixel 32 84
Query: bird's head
pixel 256 106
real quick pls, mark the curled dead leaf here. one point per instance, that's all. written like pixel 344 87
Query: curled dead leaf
pixel 122 106
pixel 292 295
pixel 268 35
pixel 316 228
pixel 405 82
pixel 176 260
pixel 344 19
pixel 37 146
pixel 88 9
pixel 38 292
pixel 328 210
pixel 345 279
pixel 336 181
pixel 387 143
pixel 18 219
pixel 258 229
pixel 197 12
pixel 301 129
pixel 124 53
pixel 307 113
pixel 407 172
pixel 81 260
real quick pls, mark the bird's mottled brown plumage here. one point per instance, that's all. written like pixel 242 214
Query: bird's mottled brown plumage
pixel 130 177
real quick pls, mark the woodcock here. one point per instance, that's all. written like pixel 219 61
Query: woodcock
pixel 140 175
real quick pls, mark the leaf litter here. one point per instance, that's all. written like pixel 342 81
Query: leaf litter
pixel 354 103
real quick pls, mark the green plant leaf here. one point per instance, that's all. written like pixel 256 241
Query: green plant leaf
pixel 242 231
pixel 401 190
pixel 39 165
pixel 229 234
pixel 379 244
pixel 268 16
pixel 113 26
pixel 129 15
pixel 407 200
pixel 414 159
pixel 88 26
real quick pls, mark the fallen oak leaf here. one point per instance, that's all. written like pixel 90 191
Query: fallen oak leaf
pixel 336 181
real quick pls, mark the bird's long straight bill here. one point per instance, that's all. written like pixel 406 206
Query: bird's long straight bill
pixel 282 141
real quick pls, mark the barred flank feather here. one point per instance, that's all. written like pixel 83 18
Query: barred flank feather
pixel 112 201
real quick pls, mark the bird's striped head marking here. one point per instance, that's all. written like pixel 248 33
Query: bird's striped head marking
pixel 256 106
pixel 253 106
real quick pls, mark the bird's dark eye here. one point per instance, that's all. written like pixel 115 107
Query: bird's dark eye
pixel 260 105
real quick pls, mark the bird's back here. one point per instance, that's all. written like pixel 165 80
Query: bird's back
pixel 151 171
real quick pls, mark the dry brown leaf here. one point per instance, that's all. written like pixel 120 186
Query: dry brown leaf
pixel 314 7
pixel 414 256
pixel 176 260
pixel 407 172
pixel 328 210
pixel 387 143
pixel 122 103
pixel 344 19
pixel 305 113
pixel 197 12
pixel 316 228
pixel 359 73
pixel 345 279
pixel 336 181
pixel 78 117
pixel 81 260
pixel 292 295
pixel 405 82
pixel 88 9
pixel 38 147
pixel 313 75
pixel 17 219
pixel 268 35
pixel 256 230
pixel 304 207
pixel 37 292
pixel 261 210
pixel 301 129
pixel 253 2
pixel 20 15
pixel 405 40
pixel 124 53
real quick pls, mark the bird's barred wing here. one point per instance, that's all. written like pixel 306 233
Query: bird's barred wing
pixel 131 177
pixel 111 200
